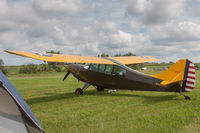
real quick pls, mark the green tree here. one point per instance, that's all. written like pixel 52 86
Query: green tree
pixel 57 66
pixel 30 68
pixel 104 55
pixel 53 52
pixel 2 67
pixel 196 66
pixel 117 55
pixel 129 54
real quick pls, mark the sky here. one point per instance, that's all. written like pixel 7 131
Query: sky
pixel 166 29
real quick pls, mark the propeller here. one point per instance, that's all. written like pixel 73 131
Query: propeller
pixel 66 75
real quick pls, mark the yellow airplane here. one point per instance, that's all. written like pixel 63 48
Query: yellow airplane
pixel 112 73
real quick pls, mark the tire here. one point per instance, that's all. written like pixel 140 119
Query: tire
pixel 99 88
pixel 79 91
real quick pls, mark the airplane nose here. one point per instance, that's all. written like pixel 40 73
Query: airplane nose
pixel 74 68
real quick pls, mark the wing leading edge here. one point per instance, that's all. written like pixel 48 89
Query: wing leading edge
pixel 83 59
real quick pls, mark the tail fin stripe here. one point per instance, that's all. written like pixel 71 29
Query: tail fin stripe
pixel 190 85
pixel 192 75
pixel 189 77
pixel 190 82
pixel 188 90
pixel 191 67
pixel 191 72
pixel 191 64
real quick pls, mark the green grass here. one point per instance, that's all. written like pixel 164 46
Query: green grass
pixel 60 111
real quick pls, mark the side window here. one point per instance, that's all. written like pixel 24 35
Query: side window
pixel 118 71
pixel 86 66
pixel 102 68
pixel 108 69
pixel 94 67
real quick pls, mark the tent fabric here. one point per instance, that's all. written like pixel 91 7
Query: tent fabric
pixel 10 116
pixel 29 119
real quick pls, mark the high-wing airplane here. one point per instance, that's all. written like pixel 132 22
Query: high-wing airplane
pixel 112 73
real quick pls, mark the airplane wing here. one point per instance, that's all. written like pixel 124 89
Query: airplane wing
pixel 83 59
pixel 61 58
pixel 133 59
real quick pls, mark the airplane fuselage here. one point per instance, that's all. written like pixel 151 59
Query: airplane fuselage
pixel 117 77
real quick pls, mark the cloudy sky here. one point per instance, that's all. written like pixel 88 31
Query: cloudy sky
pixel 165 29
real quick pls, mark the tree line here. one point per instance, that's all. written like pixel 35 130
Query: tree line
pixel 2 67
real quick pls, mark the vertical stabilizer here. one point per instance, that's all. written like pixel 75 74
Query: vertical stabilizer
pixel 189 76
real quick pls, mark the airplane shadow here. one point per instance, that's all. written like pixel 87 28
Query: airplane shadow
pixel 60 96
pixel 51 97
pixel 147 99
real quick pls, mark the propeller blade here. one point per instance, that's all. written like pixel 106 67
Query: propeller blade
pixel 66 75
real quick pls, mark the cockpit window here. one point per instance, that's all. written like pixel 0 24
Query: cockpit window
pixel 118 71
pixel 108 69
pixel 86 66
pixel 94 67
pixel 102 68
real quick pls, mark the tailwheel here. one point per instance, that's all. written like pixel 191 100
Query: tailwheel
pixel 79 91
pixel 99 88
pixel 186 97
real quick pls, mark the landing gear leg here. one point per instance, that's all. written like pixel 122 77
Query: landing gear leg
pixel 186 97
pixel 79 91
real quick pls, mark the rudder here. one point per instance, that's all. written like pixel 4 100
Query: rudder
pixel 189 77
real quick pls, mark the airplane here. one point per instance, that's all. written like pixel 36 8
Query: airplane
pixel 112 73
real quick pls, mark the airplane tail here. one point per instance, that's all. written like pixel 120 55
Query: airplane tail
pixel 189 76
pixel 180 75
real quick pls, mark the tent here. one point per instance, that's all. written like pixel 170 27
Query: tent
pixel 15 114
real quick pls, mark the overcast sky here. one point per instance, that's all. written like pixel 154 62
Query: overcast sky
pixel 165 29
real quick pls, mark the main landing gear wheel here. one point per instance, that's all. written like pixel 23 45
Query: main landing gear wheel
pixel 100 88
pixel 79 91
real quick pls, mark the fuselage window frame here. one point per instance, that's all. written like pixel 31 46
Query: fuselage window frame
pixel 109 72
pixel 103 68
pixel 120 72
pixel 96 68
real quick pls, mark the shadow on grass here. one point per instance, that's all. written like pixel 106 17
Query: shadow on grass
pixel 147 99
pixel 60 96
pixel 52 97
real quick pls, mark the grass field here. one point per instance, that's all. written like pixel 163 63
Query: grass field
pixel 60 111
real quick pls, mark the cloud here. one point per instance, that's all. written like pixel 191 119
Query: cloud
pixel 182 31
pixel 155 11
pixel 164 29
pixel 58 8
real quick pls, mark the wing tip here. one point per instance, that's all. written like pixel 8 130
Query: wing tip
pixel 10 51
